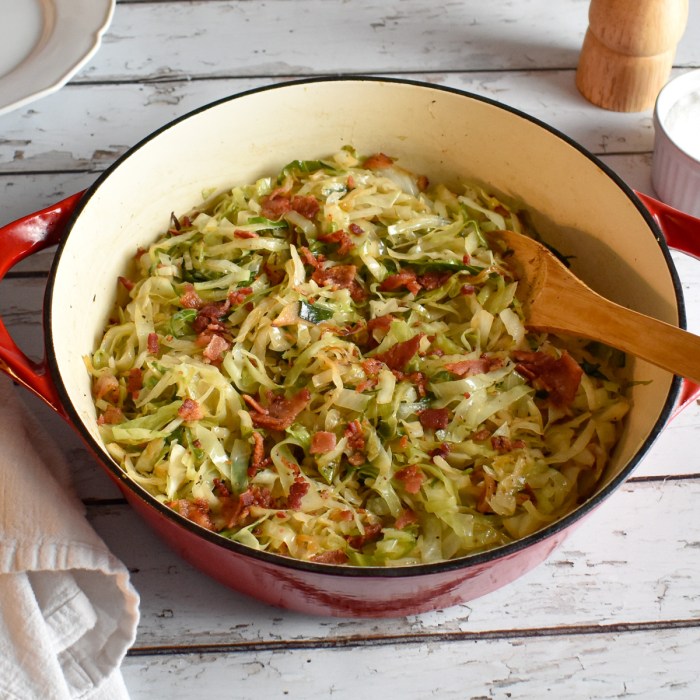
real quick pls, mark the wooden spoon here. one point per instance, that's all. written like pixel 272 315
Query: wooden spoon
pixel 554 299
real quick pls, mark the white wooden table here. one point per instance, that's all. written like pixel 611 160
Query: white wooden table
pixel 616 611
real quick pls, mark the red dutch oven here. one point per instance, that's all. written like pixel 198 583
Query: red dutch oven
pixel 576 202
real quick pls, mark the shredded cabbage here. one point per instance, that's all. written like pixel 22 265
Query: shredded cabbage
pixel 332 365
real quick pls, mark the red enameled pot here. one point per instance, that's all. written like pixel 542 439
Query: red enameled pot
pixel 576 202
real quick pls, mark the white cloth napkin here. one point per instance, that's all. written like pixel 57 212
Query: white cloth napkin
pixel 68 612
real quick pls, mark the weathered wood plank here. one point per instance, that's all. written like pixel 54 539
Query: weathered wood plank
pixel 79 128
pixel 26 193
pixel 649 664
pixel 307 37
pixel 313 36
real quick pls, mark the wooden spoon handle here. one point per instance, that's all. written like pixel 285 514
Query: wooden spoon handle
pixel 589 315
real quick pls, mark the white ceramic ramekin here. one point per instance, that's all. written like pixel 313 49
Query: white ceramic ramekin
pixel 676 166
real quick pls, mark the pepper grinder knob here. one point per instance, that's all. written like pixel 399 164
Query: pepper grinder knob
pixel 628 51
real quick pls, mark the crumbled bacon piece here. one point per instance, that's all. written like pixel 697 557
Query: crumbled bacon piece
pixel 292 466
pixel 372 366
pixel 254 404
pixel 559 377
pixel 480 435
pixel 468 368
pixel 340 277
pixel 365 384
pixel 189 299
pixel 412 478
pixel 467 290
pixel 371 533
pixel 432 279
pixel 111 416
pixel 500 443
pixel 406 278
pixel 153 343
pixel 134 382
pixel 400 354
pixel 297 491
pixel 341 238
pixel 441 450
pixel 355 229
pixel 197 511
pixel 126 283
pixel 366 332
pixel 238 296
pixel 258 460
pixel 382 322
pixel 190 410
pixel 407 517
pixel 334 556
pixel 356 443
pixel 236 509
pixel 378 161
pixel 220 488
pixel 503 444
pixel 274 275
pixel 322 442
pixel 310 258
pixel 340 516
pixel 275 205
pixel 210 314
pixel 243 234
pixel 527 494
pixel 215 310
pixel 307 206
pixel 434 418
pixel 106 386
pixel 281 412
pixel 215 348
pixel 418 379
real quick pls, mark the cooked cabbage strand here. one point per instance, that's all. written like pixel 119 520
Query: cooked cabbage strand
pixel 332 365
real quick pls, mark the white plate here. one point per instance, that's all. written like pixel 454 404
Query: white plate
pixel 43 43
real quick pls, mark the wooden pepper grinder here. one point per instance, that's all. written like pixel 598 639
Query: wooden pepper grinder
pixel 628 51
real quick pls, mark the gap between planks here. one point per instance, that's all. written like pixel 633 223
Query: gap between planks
pixel 385 640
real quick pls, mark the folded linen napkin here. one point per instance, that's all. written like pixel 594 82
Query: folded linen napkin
pixel 68 612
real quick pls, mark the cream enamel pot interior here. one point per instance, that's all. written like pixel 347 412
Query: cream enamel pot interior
pixel 577 204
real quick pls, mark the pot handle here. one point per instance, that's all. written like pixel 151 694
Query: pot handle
pixel 682 233
pixel 18 241
pixel 681 230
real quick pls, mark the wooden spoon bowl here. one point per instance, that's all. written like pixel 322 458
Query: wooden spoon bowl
pixel 555 300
